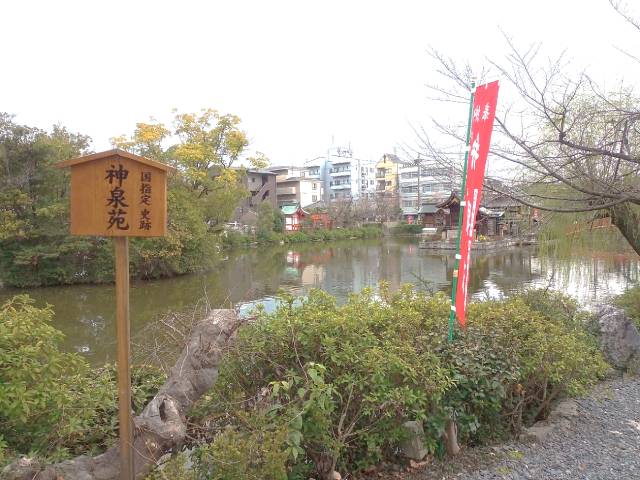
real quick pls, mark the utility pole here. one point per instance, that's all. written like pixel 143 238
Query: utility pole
pixel 418 163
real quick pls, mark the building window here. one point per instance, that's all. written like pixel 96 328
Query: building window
pixel 410 189
pixel 253 179
pixel 315 186
pixel 388 183
pixel 371 182
pixel 408 175
pixel 435 171
pixel 314 198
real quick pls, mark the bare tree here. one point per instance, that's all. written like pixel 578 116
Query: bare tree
pixel 574 145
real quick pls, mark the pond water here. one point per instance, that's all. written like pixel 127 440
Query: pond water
pixel 86 313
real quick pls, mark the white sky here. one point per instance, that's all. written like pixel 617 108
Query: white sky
pixel 296 72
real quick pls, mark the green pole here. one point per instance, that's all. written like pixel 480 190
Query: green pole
pixel 452 313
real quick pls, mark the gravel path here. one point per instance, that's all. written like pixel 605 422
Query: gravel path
pixel 599 441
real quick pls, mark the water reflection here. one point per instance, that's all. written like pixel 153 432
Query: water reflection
pixel 86 313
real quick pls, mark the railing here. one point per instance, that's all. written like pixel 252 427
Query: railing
pixel 256 197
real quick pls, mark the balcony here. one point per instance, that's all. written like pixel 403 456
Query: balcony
pixel 286 191
pixel 341 186
pixel 340 172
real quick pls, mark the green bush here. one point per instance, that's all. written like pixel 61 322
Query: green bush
pixel 341 380
pixel 303 236
pixel 235 239
pixel 51 403
pixel 630 302
pixel 407 229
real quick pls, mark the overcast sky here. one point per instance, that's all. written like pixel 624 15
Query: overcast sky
pixel 298 73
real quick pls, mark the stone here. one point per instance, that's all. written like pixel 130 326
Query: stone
pixel 413 447
pixel 618 338
pixel 538 432
pixel 565 409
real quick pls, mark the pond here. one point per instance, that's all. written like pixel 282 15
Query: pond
pixel 86 313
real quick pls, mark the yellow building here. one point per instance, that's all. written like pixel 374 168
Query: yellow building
pixel 387 174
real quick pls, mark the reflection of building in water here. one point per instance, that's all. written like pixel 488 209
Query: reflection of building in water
pixel 312 275
pixel 293 258
pixel 389 264
pixel 425 270
pixel 365 267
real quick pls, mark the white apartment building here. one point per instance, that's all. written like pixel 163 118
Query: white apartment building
pixel 351 178
pixel 421 185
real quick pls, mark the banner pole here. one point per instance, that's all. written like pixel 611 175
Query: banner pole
pixel 454 279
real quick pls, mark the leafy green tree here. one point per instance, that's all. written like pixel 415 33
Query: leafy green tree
pixel 34 207
pixel 203 147
pixel 269 219
pixel 33 195
pixel 202 196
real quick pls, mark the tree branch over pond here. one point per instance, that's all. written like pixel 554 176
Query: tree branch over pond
pixel 566 144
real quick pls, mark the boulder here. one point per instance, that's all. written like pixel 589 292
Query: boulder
pixel 618 338
pixel 538 432
pixel 412 446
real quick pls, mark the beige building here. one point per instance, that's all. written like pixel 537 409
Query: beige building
pixel 387 174
pixel 294 187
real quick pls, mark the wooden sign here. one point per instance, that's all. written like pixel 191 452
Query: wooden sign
pixel 118 194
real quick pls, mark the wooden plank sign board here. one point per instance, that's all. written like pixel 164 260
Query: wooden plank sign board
pixel 121 195
pixel 118 194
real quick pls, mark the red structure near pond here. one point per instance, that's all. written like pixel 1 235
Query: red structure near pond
pixel 294 216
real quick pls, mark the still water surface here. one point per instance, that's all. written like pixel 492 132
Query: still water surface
pixel 247 277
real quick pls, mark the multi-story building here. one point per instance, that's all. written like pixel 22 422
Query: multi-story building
pixel 261 185
pixel 316 169
pixel 387 174
pixel 295 186
pixel 351 178
pixel 421 184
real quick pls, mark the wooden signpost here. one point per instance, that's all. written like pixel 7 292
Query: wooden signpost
pixel 121 195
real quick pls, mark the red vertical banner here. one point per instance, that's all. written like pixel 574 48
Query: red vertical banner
pixel 484 112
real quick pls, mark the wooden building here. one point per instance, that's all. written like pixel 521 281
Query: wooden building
pixel 294 216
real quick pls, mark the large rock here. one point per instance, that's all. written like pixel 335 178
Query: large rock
pixel 413 446
pixel 618 338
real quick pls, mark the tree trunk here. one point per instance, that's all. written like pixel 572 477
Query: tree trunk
pixel 626 217
pixel 161 426
pixel 451 438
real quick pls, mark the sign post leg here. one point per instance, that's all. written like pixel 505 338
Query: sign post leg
pixel 124 378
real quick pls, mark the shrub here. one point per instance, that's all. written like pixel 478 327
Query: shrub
pixel 174 469
pixel 407 229
pixel 340 380
pixel 51 403
pixel 630 302
pixel 363 354
pixel 233 239
pixel 296 237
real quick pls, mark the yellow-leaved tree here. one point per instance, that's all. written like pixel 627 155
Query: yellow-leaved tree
pixel 205 148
